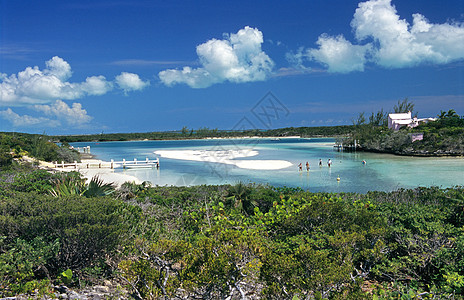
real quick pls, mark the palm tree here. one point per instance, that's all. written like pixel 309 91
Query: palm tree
pixel 451 114
pixel 73 184
pixel 442 115
pixel 239 193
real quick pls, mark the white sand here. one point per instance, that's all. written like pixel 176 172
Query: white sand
pixel 108 176
pixel 226 157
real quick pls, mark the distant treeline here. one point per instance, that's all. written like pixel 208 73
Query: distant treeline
pixel 205 132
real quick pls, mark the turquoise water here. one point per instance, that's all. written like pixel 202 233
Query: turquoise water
pixel 382 172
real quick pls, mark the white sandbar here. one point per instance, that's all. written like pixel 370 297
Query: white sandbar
pixel 226 157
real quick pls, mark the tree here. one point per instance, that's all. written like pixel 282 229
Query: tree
pixel 360 119
pixel 404 106
pixel 452 114
pixel 379 119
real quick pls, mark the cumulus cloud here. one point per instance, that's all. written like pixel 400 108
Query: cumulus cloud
pixel 74 115
pixel 35 86
pixel 384 39
pixel 59 68
pixel 25 120
pixel 236 58
pixel 338 54
pixel 130 82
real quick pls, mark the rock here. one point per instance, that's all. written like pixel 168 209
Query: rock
pixel 101 289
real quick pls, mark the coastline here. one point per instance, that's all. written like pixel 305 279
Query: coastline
pixel 105 174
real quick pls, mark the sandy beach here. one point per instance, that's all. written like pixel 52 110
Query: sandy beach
pixel 109 176
pixel 106 174
pixel 226 157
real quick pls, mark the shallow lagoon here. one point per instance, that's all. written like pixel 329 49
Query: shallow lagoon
pixel 382 172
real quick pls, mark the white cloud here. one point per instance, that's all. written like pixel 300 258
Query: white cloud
pixel 25 120
pixel 95 85
pixel 74 115
pixel 389 41
pixel 403 45
pixel 130 82
pixel 58 67
pixel 338 54
pixel 35 86
pixel 236 58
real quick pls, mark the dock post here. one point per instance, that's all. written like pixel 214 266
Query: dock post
pixel 112 161
pixel 135 161
pixel 146 160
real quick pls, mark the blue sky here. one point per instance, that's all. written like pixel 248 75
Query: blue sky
pixel 70 67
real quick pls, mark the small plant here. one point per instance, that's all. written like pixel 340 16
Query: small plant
pixel 73 184
pixel 66 276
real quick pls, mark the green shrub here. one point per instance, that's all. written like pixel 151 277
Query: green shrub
pixel 87 229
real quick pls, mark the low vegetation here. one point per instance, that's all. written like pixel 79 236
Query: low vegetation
pixel 233 241
pixel 15 145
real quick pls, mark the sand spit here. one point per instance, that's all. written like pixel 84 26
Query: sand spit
pixel 226 157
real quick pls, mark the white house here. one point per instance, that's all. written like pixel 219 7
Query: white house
pixel 396 121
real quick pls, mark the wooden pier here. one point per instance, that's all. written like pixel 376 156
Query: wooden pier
pixel 147 163
pixel 346 147
pixel 85 149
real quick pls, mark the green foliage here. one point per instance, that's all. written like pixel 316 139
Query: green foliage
pixel 32 181
pixel 37 146
pixel 69 184
pixel 276 243
pixel 84 230
pixel 6 159
pixel 22 265
pixel 66 276
pixel 404 106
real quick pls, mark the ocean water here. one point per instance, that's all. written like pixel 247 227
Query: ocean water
pixel 216 159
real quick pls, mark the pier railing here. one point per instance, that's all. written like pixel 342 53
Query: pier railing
pixel 110 164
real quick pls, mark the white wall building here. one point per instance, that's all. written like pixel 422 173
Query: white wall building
pixel 396 121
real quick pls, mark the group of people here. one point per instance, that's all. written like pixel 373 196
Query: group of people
pixel 329 164
pixel 300 165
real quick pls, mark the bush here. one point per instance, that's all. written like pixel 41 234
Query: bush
pixel 86 229
pixel 32 181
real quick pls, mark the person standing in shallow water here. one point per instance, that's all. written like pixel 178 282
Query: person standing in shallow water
pixel 307 166
pixel 329 162
pixel 320 162
pixel 300 167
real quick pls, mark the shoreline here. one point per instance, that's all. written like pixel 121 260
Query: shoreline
pixel 107 175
